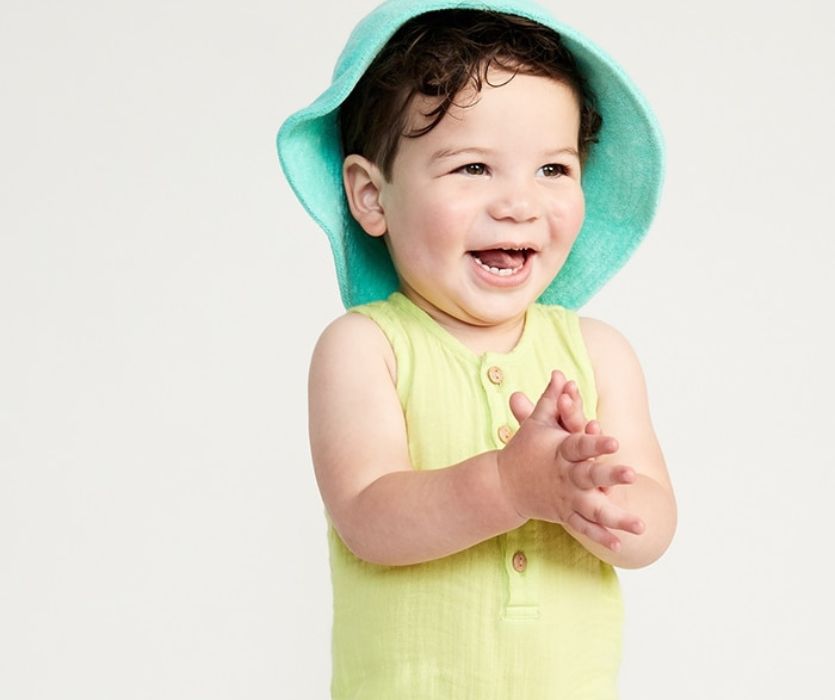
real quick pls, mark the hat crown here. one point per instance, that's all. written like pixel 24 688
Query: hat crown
pixel 621 178
pixel 394 13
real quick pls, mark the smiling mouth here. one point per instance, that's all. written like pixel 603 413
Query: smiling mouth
pixel 503 262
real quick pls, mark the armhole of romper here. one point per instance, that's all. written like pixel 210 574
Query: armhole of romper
pixel 391 327
pixel 571 322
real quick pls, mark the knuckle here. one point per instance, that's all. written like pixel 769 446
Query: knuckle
pixel 577 478
pixel 567 448
pixel 578 523
pixel 589 473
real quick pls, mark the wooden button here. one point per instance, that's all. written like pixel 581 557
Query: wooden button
pixel 505 433
pixel 520 562
pixel 495 375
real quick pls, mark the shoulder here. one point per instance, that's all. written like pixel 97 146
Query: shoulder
pixel 611 354
pixel 351 340
pixel 600 335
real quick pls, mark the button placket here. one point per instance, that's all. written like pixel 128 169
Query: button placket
pixel 494 380
pixel 522 600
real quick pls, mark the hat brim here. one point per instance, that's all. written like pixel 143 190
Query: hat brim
pixel 621 180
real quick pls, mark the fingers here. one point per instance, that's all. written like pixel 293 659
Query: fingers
pixel 593 531
pixel 545 410
pixel 600 519
pixel 591 475
pixel 607 514
pixel 593 428
pixel 579 447
pixel 570 406
pixel 561 400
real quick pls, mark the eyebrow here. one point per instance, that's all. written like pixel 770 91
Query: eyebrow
pixel 571 151
pixel 452 152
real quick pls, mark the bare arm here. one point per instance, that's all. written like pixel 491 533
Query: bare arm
pixel 383 510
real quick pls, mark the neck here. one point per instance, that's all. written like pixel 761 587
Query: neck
pixel 479 337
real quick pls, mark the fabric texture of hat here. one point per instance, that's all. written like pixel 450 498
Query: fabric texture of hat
pixel 621 177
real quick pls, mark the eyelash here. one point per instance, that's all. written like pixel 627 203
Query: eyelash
pixel 466 169
pixel 561 169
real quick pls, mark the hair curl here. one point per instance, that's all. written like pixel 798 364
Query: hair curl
pixel 438 54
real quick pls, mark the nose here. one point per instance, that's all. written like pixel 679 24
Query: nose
pixel 514 201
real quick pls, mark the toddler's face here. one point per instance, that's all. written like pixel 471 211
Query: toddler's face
pixel 482 211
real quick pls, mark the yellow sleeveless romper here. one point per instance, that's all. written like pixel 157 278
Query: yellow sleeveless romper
pixel 529 614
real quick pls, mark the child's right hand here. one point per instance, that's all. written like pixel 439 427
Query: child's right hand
pixel 548 469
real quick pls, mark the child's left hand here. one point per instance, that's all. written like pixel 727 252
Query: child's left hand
pixel 569 406
pixel 570 414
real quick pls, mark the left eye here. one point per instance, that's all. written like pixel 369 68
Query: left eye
pixel 474 169
pixel 553 170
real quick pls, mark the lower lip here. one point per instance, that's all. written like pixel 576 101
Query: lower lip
pixel 505 281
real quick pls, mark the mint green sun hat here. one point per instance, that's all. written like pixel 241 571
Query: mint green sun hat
pixel 621 177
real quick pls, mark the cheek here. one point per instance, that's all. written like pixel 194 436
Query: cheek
pixel 567 213
pixel 579 213
pixel 430 219
pixel 440 223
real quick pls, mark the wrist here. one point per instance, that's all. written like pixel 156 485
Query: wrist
pixel 507 492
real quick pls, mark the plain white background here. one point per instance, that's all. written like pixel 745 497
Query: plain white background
pixel 161 535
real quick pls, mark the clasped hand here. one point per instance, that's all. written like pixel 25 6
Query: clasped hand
pixel 549 469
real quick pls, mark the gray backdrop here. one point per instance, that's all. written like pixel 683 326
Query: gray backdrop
pixel 161 535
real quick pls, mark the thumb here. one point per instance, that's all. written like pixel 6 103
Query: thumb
pixel 521 406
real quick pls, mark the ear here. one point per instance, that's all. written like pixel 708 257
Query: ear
pixel 363 180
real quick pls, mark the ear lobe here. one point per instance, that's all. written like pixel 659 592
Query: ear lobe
pixel 362 180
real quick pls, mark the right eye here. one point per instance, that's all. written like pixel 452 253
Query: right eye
pixel 473 169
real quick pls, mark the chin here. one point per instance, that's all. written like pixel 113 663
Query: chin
pixel 500 311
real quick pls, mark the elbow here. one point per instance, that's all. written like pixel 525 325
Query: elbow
pixel 641 558
pixel 348 536
pixel 360 548
pixel 648 547
pixel 363 543
pixel 369 554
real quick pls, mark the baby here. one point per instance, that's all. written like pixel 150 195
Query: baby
pixel 480 170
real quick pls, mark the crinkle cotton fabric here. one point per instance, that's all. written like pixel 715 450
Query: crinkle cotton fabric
pixel 528 614
pixel 621 178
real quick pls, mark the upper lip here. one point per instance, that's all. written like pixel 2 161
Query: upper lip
pixel 530 247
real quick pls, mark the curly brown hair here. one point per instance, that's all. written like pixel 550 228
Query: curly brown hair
pixel 438 54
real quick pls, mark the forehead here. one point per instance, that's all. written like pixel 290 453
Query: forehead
pixel 514 110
